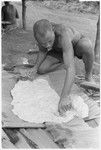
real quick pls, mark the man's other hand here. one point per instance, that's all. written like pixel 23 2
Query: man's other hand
pixel 64 105
pixel 30 73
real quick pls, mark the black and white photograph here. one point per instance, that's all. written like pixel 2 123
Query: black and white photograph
pixel 50 74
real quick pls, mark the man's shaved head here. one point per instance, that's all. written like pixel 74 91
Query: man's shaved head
pixel 41 27
pixel 7 2
pixel 43 31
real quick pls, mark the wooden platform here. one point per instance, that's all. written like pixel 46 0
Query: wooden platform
pixel 37 138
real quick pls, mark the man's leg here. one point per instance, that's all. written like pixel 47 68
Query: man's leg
pixel 84 50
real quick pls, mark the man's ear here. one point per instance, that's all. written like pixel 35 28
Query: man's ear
pixel 36 42
pixel 53 25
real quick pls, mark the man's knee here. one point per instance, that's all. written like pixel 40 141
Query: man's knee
pixel 88 50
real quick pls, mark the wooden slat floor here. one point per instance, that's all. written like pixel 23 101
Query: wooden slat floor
pixel 33 138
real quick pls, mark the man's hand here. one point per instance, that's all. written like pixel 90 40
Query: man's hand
pixel 64 105
pixel 29 73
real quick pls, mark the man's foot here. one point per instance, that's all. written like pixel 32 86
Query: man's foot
pixel 90 85
pixel 89 78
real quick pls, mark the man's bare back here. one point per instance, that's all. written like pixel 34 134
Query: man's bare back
pixel 60 31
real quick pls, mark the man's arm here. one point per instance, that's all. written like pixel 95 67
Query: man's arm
pixel 40 58
pixel 70 72
pixel 68 58
pixel 30 73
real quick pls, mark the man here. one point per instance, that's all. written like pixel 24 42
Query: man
pixel 9 14
pixel 57 46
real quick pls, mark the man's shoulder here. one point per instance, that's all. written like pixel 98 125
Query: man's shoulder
pixel 59 28
pixel 3 7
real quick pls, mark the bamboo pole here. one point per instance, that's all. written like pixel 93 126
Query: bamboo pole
pixel 24 14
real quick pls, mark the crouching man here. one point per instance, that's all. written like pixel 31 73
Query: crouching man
pixel 58 45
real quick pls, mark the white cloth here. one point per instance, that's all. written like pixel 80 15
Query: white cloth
pixel 35 101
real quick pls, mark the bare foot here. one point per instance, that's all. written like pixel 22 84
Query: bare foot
pixel 91 80
pixel 90 85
